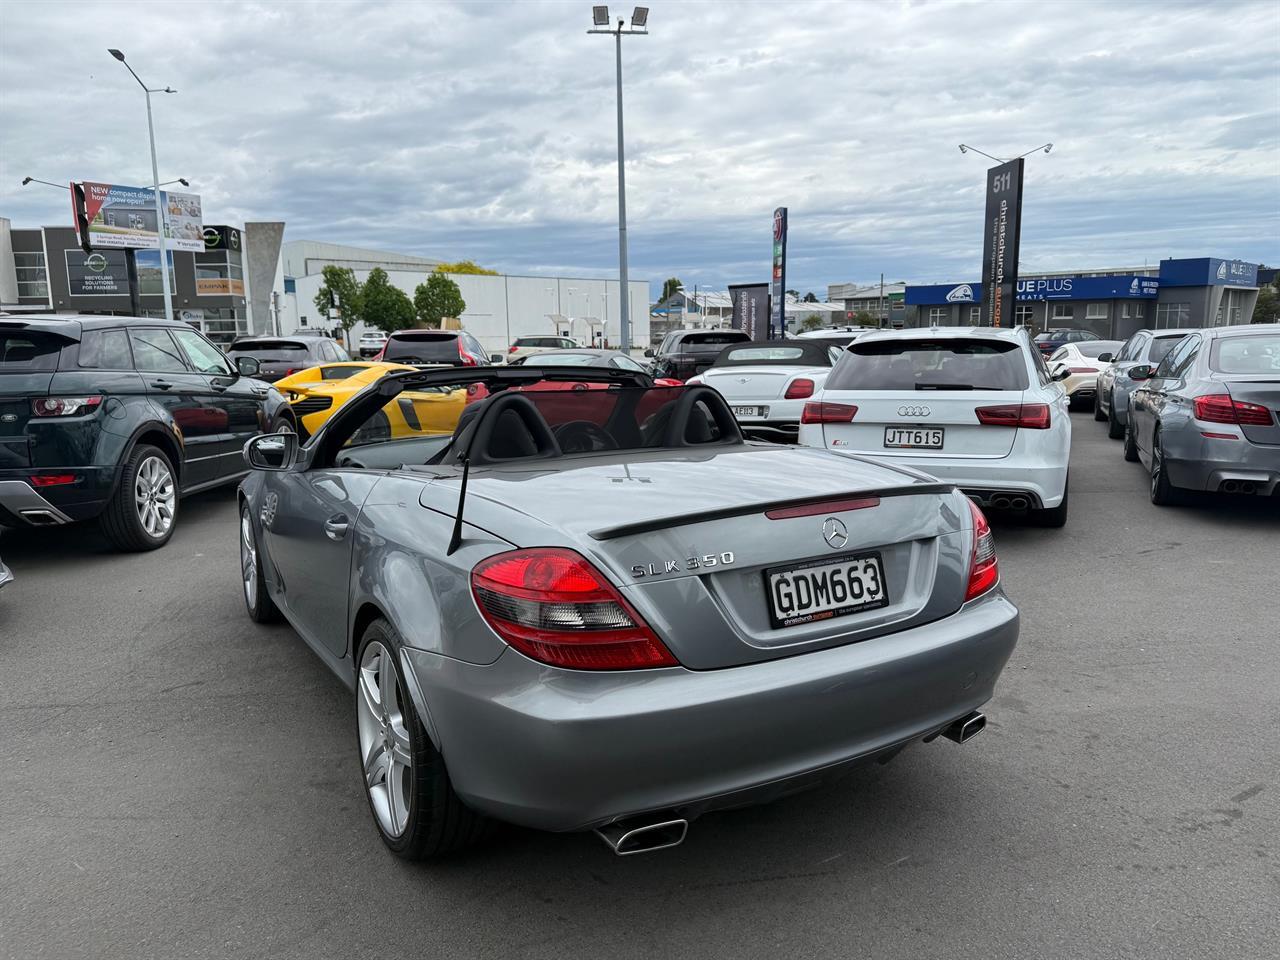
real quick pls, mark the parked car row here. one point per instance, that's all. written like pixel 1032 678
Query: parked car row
pixel 1200 409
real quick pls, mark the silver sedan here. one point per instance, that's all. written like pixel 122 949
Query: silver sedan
pixel 1115 383
pixel 592 605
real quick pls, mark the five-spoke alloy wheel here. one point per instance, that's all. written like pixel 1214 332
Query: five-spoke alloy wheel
pixel 384 739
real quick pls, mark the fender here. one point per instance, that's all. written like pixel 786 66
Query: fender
pixel 132 441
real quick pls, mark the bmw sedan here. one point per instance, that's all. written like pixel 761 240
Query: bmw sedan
pixel 1206 417
pixel 1146 348
pixel 601 609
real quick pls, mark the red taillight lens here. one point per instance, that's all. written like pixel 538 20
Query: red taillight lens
pixel 64 406
pixel 552 605
pixel 798 389
pixel 984 569
pixel 820 411
pixel 378 355
pixel 512 348
pixel 1220 408
pixel 53 480
pixel 1081 370
pixel 1030 416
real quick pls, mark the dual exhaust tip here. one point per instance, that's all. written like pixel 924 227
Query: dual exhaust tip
pixel 1238 486
pixel 1003 502
pixel 662 830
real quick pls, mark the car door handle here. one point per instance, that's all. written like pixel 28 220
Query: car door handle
pixel 335 528
pixel 162 384
pixel 218 387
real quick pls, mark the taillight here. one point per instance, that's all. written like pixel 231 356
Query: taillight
pixel 467 359
pixel 64 406
pixel 798 389
pixel 821 411
pixel 1220 408
pixel 1030 416
pixel 378 355
pixel 984 569
pixel 512 349
pixel 552 605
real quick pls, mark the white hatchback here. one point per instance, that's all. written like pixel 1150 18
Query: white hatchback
pixel 974 407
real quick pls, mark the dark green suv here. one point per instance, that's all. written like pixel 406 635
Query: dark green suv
pixel 115 418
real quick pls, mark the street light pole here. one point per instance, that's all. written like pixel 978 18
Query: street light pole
pixel 639 19
pixel 155 181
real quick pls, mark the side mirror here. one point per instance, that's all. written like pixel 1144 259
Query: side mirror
pixel 272 451
pixel 248 366
pixel 1143 371
pixel 495 358
pixel 1105 358
pixel 649 353
pixel 1061 373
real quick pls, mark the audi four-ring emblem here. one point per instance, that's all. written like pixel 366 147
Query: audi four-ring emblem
pixel 906 411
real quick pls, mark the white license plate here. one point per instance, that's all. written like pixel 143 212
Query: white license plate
pixel 914 438
pixel 823 589
pixel 750 411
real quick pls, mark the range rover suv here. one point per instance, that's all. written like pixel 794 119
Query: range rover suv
pixel 114 418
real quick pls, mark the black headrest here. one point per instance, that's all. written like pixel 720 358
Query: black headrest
pixel 503 427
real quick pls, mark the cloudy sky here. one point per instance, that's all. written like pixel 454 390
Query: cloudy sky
pixel 486 130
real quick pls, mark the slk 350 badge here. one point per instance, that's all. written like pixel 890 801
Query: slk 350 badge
pixel 688 565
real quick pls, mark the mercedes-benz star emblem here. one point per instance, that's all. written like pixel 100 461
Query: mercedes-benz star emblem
pixel 744 379
pixel 835 533
pixel 908 411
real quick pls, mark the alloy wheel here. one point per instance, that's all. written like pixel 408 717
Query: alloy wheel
pixel 384 738
pixel 155 496
pixel 248 559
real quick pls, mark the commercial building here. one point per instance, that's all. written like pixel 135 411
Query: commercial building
pixel 498 308
pixel 713 310
pixel 1113 303
pixel 883 302
pixel 43 269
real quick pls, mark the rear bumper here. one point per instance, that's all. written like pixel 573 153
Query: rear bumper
pixel 566 750
pixel 1010 475
pixel 23 504
pixel 1215 462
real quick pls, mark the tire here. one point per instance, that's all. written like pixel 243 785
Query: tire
pixel 1163 493
pixel 1115 429
pixel 143 512
pixel 261 607
pixel 283 424
pixel 1053 516
pixel 1097 406
pixel 414 807
pixel 1130 444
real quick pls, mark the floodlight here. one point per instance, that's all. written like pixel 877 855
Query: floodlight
pixel 600 15
pixel 640 16
pixel 1048 147
pixel 117 54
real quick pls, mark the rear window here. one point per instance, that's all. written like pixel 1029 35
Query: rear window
pixel 711 342
pixel 28 352
pixel 944 364
pixel 1097 348
pixel 567 360
pixel 1248 354
pixel 809 353
pixel 423 348
pixel 286 350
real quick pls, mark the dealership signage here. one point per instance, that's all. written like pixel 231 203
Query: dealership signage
pixel 219 287
pixel 218 237
pixel 1000 243
pixel 1208 271
pixel 751 309
pixel 778 322
pixel 1124 287
pixel 125 217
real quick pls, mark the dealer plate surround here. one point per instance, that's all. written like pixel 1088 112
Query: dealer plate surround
pixel 861 571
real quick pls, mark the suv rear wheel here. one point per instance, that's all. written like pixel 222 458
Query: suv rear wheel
pixel 143 511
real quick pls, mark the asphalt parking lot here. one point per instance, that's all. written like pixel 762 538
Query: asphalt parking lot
pixel 178 782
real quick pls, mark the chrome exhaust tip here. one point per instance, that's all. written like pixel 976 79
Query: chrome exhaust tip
pixel 41 518
pixel 1019 503
pixel 1246 487
pixel 966 728
pixel 1000 503
pixel 1230 486
pixel 643 834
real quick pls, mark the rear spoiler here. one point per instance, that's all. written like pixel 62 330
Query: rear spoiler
pixel 725 513
pixel 67 329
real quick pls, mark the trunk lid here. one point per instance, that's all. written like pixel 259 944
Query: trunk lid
pixel 692 558
pixel 738 384
pixel 963 437
pixel 1265 392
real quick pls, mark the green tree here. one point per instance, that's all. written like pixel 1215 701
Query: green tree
pixel 794 293
pixel 436 299
pixel 341 296
pixel 466 266
pixel 385 306
pixel 811 322
pixel 864 319
pixel 1267 309
pixel 810 298
pixel 670 287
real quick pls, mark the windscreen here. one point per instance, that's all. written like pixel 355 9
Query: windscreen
pixel 28 352
pixel 423 348
pixel 1160 347
pixel 1247 355
pixel 941 364
pixel 287 351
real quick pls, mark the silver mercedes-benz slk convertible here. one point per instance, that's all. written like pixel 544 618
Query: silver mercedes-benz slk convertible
pixel 571 599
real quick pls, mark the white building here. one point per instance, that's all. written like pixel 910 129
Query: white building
pixel 499 308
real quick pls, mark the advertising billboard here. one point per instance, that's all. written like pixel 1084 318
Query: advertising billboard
pixel 778 321
pixel 1000 243
pixel 105 273
pixel 125 218
pixel 751 309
